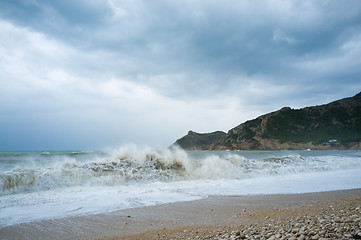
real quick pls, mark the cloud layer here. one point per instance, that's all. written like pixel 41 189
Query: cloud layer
pixel 97 73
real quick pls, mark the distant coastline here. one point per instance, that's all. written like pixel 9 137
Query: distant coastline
pixel 336 125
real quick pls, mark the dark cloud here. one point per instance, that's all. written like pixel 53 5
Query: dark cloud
pixel 247 37
pixel 188 61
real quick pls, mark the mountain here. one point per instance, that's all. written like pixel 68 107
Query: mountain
pixel 336 125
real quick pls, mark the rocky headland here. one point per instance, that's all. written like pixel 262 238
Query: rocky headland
pixel 200 141
pixel 336 125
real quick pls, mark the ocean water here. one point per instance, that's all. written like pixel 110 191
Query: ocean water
pixel 46 185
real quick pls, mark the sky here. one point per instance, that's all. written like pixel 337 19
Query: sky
pixel 91 74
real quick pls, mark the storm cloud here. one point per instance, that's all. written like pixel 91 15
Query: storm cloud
pixel 91 74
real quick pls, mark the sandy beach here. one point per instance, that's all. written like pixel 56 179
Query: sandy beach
pixel 333 215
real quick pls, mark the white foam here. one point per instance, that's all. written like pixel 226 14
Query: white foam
pixel 72 201
pixel 130 164
pixel 131 177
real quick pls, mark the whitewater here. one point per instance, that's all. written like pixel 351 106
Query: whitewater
pixel 48 185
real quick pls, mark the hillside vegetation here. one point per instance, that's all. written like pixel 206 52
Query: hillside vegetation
pixel 336 125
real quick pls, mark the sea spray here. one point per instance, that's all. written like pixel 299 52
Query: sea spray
pixel 132 164
pixel 43 185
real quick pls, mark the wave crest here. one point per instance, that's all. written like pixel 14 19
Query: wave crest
pixel 131 164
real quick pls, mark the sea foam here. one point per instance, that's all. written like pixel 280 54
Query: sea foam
pixel 130 164
pixel 38 185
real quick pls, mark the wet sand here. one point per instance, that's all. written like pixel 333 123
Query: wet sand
pixel 216 217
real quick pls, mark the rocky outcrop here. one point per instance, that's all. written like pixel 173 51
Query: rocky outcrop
pixel 336 125
pixel 199 141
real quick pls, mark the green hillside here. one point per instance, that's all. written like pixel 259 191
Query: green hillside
pixel 310 127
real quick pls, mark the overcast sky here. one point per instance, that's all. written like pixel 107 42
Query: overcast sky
pixel 90 74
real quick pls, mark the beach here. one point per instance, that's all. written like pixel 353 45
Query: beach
pixel 135 193
pixel 332 214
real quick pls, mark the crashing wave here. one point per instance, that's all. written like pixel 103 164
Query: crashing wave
pixel 131 164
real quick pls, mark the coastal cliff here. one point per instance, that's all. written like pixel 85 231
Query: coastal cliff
pixel 336 125
pixel 199 141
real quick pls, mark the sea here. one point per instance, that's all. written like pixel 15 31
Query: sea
pixel 42 185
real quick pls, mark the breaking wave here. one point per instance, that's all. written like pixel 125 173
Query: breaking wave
pixel 130 164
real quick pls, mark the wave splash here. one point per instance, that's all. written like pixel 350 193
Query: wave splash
pixel 130 164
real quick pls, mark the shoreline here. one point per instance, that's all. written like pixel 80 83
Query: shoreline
pixel 189 219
